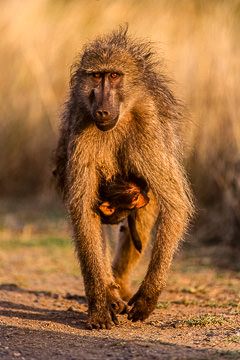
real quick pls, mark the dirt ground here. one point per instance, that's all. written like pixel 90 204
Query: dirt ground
pixel 43 311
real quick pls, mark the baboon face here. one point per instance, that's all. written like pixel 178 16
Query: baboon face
pixel 104 98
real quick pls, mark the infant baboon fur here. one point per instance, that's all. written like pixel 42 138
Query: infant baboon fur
pixel 120 198
pixel 121 119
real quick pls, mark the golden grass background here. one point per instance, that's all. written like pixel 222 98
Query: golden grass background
pixel 199 41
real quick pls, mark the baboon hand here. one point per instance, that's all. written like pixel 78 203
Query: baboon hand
pixel 102 317
pixel 143 305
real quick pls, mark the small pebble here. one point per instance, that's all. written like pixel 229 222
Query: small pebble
pixel 17 354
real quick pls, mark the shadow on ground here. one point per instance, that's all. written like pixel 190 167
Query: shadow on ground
pixel 27 341
pixel 34 344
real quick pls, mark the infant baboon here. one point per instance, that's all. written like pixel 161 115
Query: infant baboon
pixel 120 198
pixel 122 120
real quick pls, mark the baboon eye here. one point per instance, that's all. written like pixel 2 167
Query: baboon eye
pixel 114 76
pixel 96 75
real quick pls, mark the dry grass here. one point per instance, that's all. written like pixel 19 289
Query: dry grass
pixel 200 40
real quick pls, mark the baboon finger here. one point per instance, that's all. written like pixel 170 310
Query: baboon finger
pixel 116 306
pixel 125 310
pixel 121 308
pixel 114 317
pixel 134 316
pixel 89 326
pixel 95 326
pixel 108 326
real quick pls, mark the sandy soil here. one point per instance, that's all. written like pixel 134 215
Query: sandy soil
pixel 43 311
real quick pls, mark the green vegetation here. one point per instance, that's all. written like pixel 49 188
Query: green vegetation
pixel 235 339
pixel 228 304
pixel 195 289
pixel 186 302
pixel 45 241
pixel 204 320
pixel 163 305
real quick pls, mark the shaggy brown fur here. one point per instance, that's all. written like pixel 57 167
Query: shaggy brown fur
pixel 119 78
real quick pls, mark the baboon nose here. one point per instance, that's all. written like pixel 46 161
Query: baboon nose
pixel 102 114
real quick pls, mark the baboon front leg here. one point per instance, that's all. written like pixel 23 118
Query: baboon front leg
pixel 168 231
pixel 90 249
pixel 126 254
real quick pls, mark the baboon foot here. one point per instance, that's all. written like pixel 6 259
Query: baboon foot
pixel 143 306
pixel 115 300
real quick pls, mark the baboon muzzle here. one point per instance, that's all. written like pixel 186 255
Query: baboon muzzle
pixel 104 120
pixel 105 103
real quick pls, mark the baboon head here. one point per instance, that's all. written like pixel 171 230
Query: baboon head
pixel 109 73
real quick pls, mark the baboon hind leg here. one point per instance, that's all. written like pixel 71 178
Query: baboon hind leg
pixel 120 306
pixel 126 254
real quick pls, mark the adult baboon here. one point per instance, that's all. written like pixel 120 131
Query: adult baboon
pixel 121 119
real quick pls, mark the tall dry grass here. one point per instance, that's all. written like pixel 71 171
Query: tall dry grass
pixel 200 40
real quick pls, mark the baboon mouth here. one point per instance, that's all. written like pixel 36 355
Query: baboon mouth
pixel 106 125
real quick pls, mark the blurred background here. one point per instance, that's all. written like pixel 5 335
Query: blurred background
pixel 199 41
